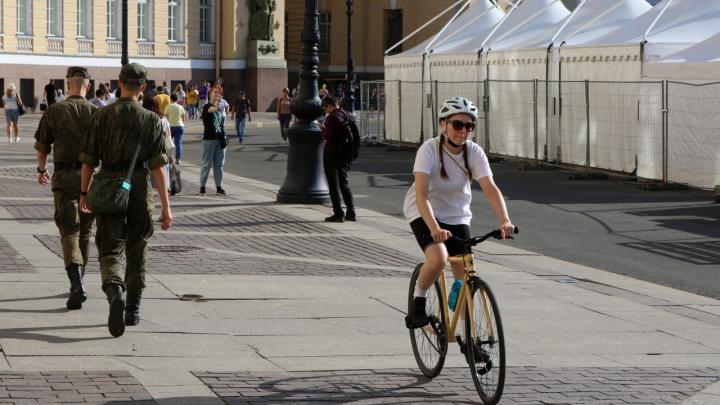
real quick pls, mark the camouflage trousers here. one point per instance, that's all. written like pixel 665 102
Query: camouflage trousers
pixel 74 226
pixel 126 233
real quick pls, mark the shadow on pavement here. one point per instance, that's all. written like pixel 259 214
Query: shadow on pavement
pixel 32 334
pixel 328 388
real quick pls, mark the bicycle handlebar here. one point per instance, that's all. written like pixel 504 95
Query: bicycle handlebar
pixel 479 239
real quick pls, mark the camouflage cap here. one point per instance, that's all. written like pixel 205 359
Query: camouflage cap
pixel 77 71
pixel 133 73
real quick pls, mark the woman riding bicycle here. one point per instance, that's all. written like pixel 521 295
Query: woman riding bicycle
pixel 438 203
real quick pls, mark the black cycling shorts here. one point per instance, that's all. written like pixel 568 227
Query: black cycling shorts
pixel 424 237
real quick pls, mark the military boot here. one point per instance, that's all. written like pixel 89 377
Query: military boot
pixel 116 324
pixel 132 309
pixel 78 295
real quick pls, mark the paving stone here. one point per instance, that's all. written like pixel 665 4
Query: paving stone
pixel 44 388
pixel 11 261
pixel 453 385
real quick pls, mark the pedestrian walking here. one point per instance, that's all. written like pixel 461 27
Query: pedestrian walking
pixel 191 100
pixel 59 95
pixel 214 143
pixel 175 114
pixel 12 104
pixel 100 98
pixel 284 114
pixel 242 110
pixel 203 92
pixel 162 99
pixel 118 133
pixel 180 93
pixel 150 104
pixel 61 131
pixel 336 170
pixel 324 92
pixel 50 93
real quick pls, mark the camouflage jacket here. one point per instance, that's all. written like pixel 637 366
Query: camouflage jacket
pixel 115 131
pixel 61 131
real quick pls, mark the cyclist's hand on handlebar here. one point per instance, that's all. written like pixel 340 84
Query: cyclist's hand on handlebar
pixel 441 235
pixel 506 229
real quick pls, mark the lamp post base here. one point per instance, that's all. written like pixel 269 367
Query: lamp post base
pixel 305 179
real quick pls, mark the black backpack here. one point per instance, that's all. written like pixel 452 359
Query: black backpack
pixel 349 145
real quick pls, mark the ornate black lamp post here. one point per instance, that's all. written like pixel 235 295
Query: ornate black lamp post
pixel 305 179
pixel 350 77
pixel 124 59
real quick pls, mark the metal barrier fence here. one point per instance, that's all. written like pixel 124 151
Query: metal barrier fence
pixel 665 131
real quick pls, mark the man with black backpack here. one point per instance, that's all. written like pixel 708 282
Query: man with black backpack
pixel 342 142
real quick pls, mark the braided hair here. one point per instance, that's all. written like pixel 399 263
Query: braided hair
pixel 443 172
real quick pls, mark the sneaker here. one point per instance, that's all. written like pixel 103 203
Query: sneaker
pixel 202 190
pixel 335 218
pixel 221 191
pixel 417 317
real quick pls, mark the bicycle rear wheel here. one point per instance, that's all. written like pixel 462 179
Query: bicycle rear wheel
pixel 486 348
pixel 430 342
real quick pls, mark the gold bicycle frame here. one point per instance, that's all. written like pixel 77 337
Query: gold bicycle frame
pixel 463 298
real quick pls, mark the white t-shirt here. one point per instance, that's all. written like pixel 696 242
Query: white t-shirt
pixel 450 198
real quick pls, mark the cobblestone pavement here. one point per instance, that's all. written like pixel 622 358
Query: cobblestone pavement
pixel 97 387
pixel 11 261
pixel 524 385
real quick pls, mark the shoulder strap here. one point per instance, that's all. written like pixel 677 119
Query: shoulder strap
pixel 449 155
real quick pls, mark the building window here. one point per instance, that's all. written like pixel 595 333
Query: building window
pixel 175 20
pixel 325 22
pixel 206 21
pixel 54 18
pixel 392 32
pixel 144 20
pixel 84 19
pixel 24 17
pixel 114 19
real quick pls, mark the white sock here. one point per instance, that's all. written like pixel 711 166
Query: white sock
pixel 419 292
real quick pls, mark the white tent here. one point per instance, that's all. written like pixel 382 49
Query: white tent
pixel 670 26
pixel 698 62
pixel 404 73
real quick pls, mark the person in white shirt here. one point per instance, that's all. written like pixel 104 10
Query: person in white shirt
pixel 438 202
pixel 99 99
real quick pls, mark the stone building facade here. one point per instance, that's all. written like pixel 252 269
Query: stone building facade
pixel 179 41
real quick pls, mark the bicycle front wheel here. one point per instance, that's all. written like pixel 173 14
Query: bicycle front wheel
pixel 430 342
pixel 485 343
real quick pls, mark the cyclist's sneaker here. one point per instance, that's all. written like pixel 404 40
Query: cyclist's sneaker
pixel 417 318
pixel 481 355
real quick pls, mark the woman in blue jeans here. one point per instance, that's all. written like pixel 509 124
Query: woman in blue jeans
pixel 213 154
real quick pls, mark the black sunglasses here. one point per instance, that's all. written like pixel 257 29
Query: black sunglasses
pixel 458 125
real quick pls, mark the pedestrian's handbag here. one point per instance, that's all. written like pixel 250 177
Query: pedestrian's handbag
pixel 20 105
pixel 175 181
pixel 111 194
pixel 223 141
pixel 43 105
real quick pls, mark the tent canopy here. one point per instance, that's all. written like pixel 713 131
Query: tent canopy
pixel 698 62
pixel 524 24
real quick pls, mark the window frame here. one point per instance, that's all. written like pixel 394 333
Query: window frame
pixel 176 21
pixel 54 11
pixel 325 24
pixel 145 27
pixel 26 19
pixel 113 11
pixel 207 21
pixel 83 23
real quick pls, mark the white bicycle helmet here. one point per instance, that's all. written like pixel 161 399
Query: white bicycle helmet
pixel 458 105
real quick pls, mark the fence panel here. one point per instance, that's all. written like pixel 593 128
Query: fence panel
pixel 694 134
pixel 371 115
pixel 542 118
pixel 511 118
pixel 411 105
pixel 552 120
pixel 650 159
pixel 393 98
pixel 472 91
pixel 573 123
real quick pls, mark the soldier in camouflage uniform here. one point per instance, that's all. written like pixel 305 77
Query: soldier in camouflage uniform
pixel 114 134
pixel 63 126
